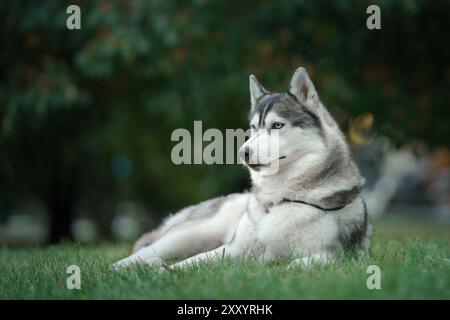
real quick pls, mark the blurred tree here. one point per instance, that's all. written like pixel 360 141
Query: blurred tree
pixel 86 115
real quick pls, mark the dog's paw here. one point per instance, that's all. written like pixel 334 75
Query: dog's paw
pixel 164 268
pixel 307 262
pixel 122 264
pixel 298 263
pixel 155 262
pixel 117 266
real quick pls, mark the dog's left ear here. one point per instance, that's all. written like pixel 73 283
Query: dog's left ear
pixel 257 91
pixel 303 89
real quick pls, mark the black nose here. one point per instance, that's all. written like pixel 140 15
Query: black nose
pixel 245 153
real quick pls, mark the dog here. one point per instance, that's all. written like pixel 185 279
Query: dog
pixel 309 210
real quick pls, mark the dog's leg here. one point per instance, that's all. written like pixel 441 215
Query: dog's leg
pixel 183 241
pixel 210 256
pixel 308 261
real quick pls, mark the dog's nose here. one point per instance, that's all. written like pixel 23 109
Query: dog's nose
pixel 244 153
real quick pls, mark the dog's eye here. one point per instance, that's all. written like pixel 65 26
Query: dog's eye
pixel 277 125
pixel 253 127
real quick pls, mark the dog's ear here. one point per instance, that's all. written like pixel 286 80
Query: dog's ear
pixel 303 89
pixel 257 91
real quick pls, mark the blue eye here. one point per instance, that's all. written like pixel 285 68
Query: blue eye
pixel 277 125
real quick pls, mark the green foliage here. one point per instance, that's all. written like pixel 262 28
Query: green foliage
pixel 94 108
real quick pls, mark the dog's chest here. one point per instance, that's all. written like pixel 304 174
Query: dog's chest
pixel 278 230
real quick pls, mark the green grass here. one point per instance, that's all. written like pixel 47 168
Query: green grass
pixel 412 257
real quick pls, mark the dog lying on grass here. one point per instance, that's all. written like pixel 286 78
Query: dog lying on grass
pixel 309 208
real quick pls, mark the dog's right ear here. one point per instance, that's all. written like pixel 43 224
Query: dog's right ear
pixel 257 91
pixel 303 89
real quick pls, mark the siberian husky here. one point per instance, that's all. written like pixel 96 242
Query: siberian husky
pixel 310 210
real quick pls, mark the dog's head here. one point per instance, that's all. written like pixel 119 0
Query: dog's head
pixel 285 126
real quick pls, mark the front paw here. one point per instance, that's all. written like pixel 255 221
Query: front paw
pixel 127 263
pixel 294 264
pixel 156 262
pixel 309 261
pixel 122 264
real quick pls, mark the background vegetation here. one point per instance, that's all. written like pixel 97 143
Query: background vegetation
pixel 86 115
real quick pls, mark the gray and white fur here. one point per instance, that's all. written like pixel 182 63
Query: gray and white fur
pixel 310 210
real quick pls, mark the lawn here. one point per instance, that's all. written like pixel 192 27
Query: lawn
pixel 413 257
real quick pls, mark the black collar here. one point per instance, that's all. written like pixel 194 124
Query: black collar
pixel 307 203
pixel 314 205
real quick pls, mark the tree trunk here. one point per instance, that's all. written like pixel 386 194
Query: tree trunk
pixel 60 205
